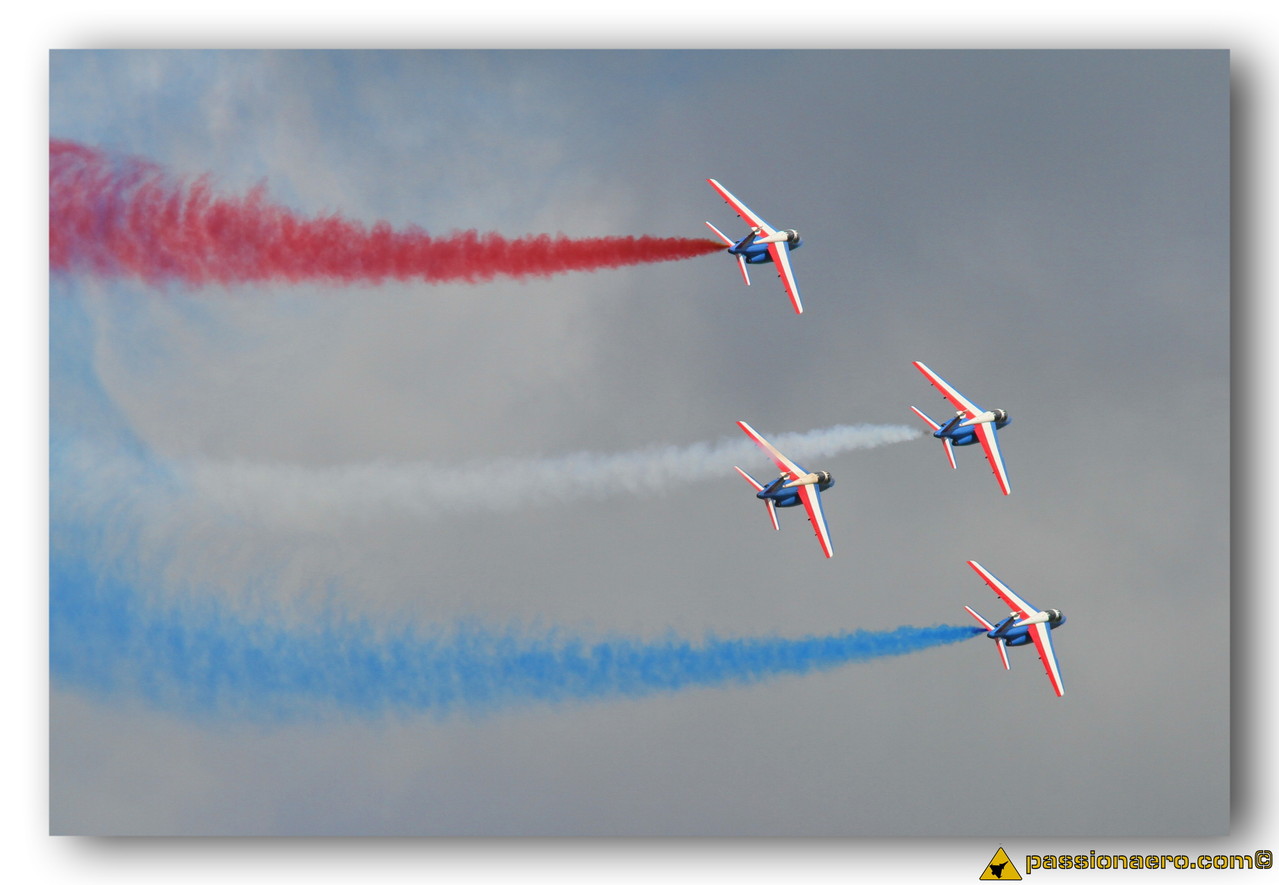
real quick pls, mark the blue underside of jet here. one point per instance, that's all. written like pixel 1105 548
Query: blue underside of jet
pixel 966 436
pixel 757 253
pixel 783 497
pixel 1014 636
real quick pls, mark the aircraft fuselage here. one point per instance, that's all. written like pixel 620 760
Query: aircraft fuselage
pixel 789 497
pixel 1014 636
pixel 967 436
pixel 756 252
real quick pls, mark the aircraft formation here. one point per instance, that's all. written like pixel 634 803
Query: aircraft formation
pixel 970 425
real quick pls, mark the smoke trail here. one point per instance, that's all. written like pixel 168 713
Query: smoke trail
pixel 273 492
pixel 204 662
pixel 245 521
pixel 126 217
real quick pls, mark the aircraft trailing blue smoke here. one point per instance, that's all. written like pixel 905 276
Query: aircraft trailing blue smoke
pixel 128 619
pixel 201 661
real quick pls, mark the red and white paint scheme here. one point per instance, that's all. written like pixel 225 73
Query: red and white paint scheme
pixel 764 244
pixel 1024 625
pixel 971 424
pixel 793 487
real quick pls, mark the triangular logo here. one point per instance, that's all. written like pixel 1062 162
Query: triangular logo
pixel 1000 869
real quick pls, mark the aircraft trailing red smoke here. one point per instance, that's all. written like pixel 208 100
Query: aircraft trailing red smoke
pixel 126 217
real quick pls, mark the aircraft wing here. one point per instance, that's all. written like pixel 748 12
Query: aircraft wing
pixel 1019 606
pixel 743 211
pixel 1042 636
pixel 781 260
pixel 957 399
pixel 784 464
pixel 989 439
pixel 812 500
pixel 1040 633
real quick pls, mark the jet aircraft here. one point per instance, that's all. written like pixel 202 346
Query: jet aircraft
pixel 971 424
pixel 762 245
pixel 795 486
pixel 1026 624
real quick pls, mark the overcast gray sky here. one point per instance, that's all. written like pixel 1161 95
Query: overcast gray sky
pixel 1048 230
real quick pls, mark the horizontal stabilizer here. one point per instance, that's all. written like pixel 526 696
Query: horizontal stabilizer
pixel 1000 645
pixel 945 441
pixel 768 502
pixel 985 623
pixel 750 479
pixel 929 421
pixel 772 513
pixel 719 233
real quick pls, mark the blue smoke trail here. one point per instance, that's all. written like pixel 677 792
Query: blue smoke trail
pixel 204 662
pixel 183 651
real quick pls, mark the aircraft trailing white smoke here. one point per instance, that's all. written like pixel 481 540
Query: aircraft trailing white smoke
pixel 276 492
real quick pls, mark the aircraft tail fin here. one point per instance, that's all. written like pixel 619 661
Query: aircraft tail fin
pixel 768 502
pixel 945 441
pixel 999 641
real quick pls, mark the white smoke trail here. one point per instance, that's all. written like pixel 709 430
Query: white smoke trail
pixel 281 493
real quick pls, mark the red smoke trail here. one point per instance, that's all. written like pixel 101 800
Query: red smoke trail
pixel 124 216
